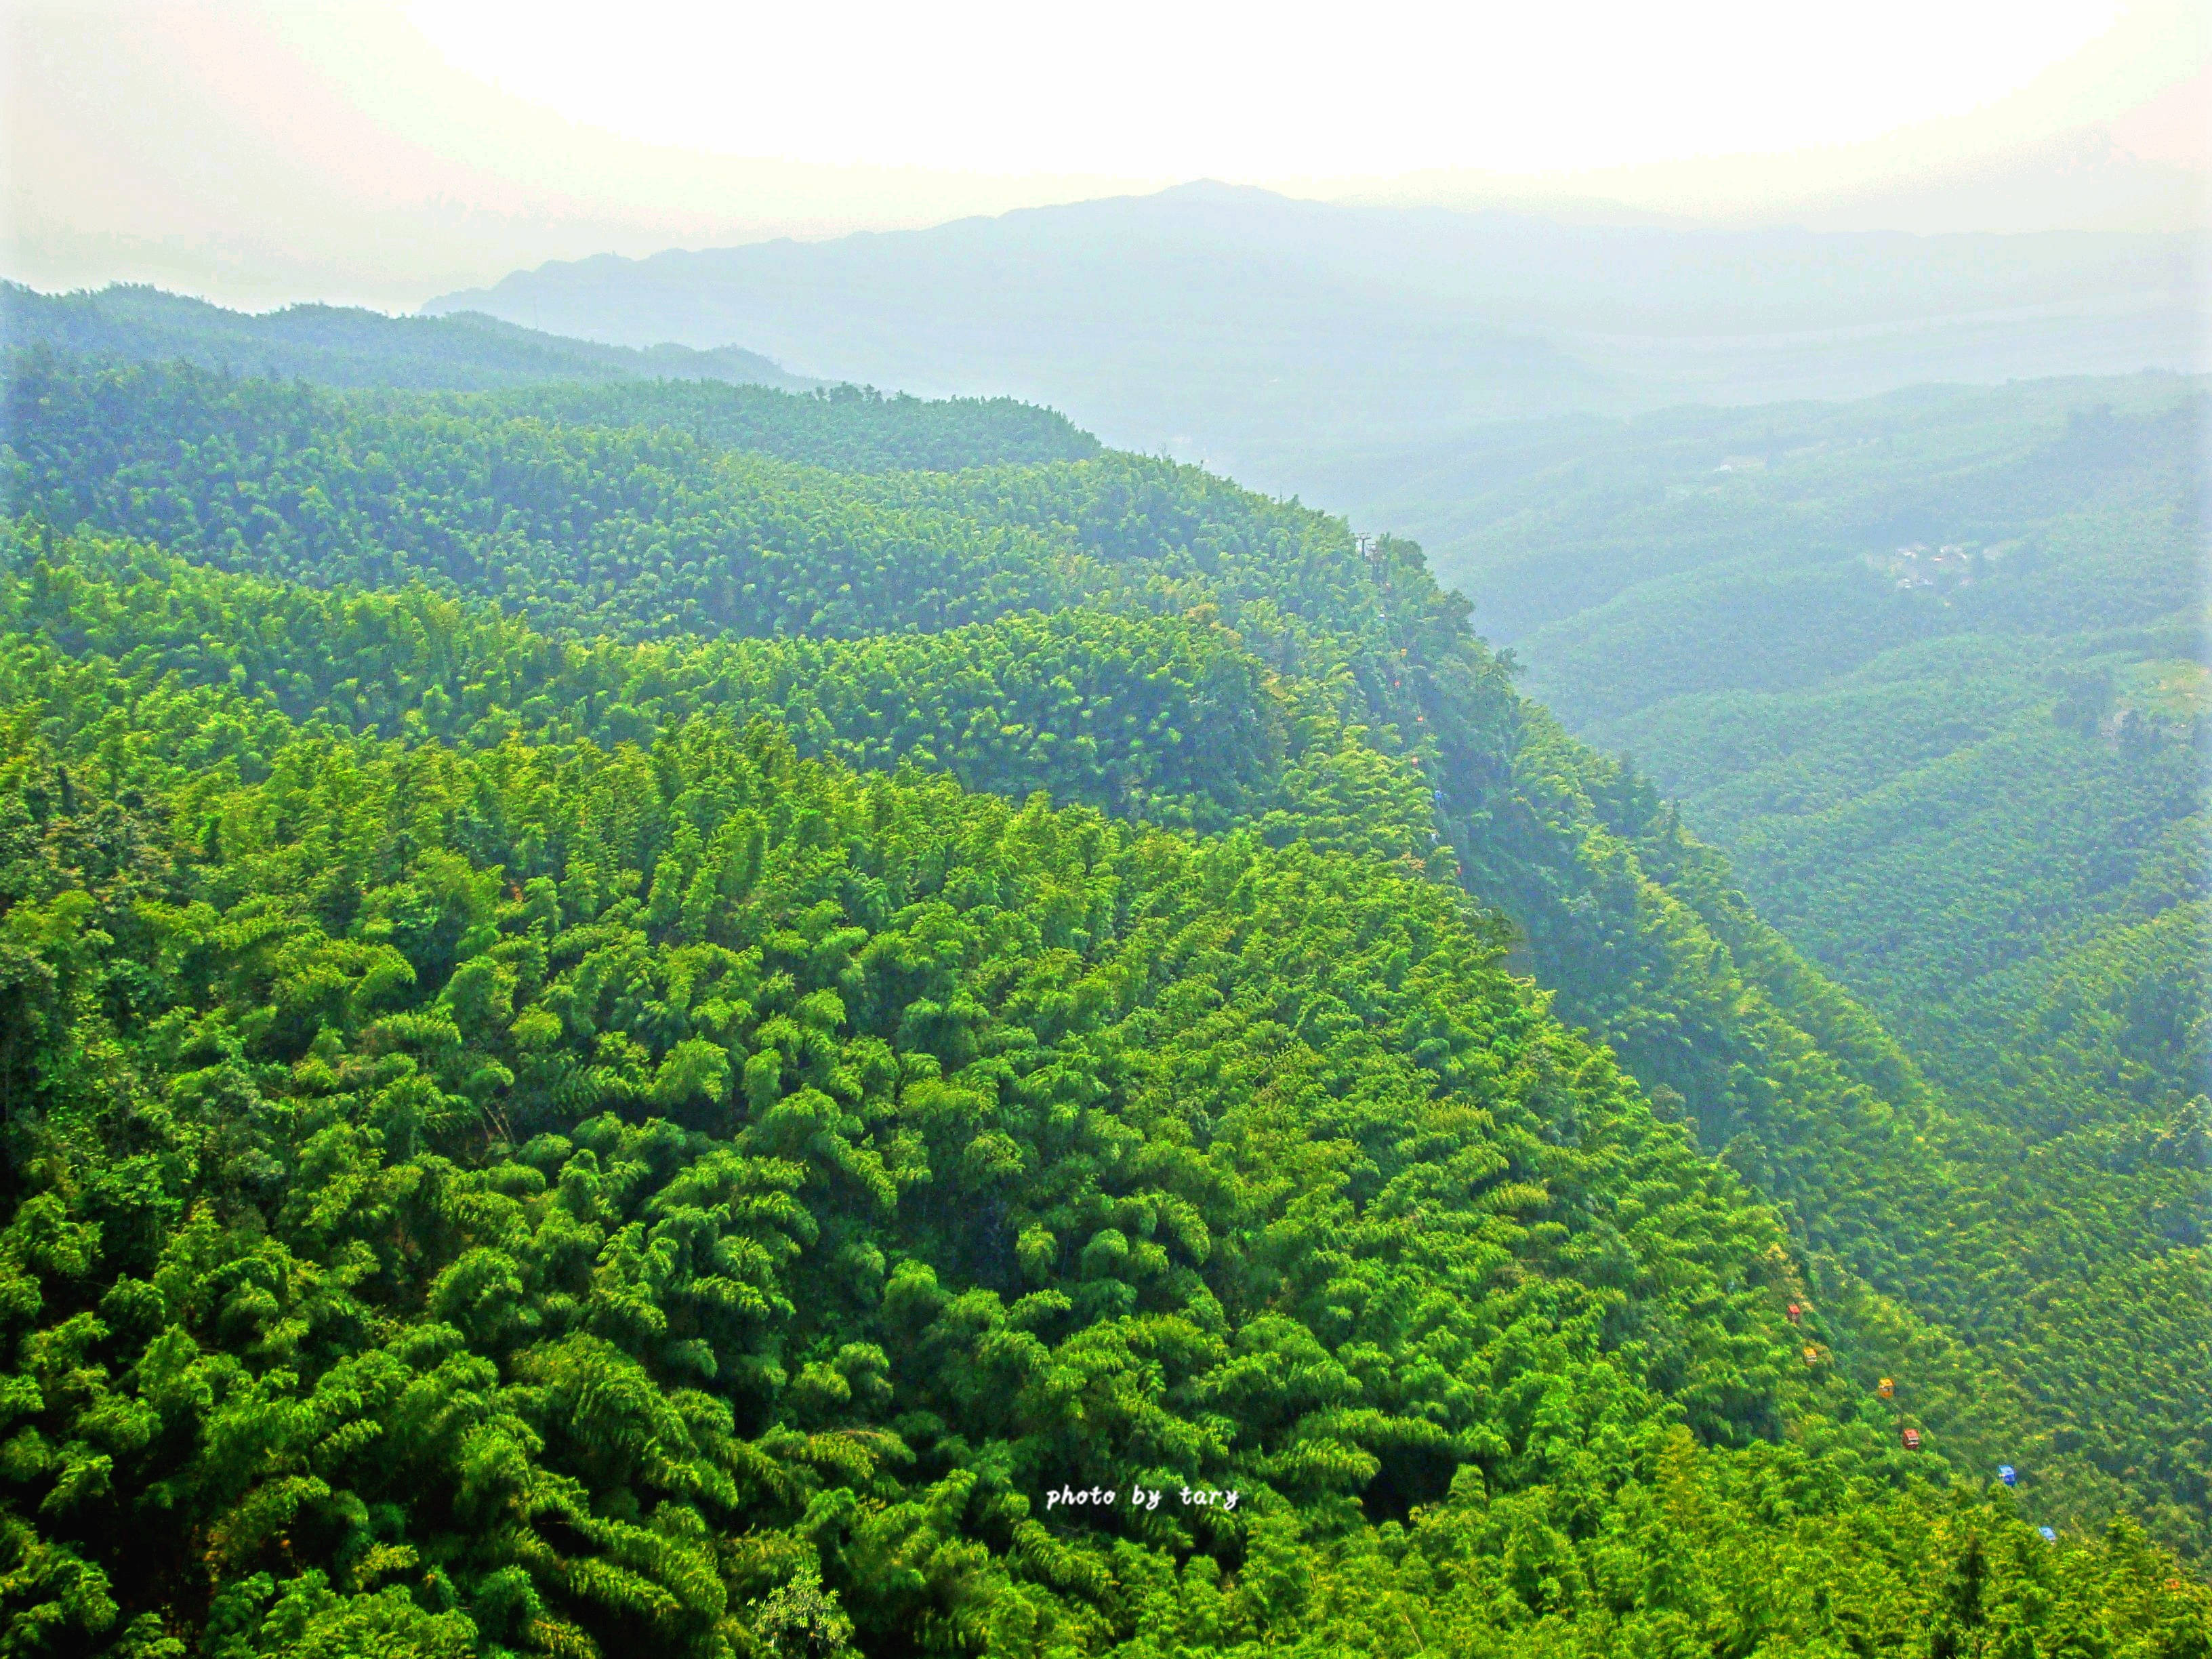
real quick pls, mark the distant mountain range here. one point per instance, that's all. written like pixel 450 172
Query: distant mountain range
pixel 340 345
pixel 1298 341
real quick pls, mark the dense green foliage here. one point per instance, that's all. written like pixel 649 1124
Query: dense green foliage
pixel 569 1089
pixel 499 1174
pixel 849 428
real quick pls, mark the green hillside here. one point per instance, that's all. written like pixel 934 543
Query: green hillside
pixel 1549 519
pixel 622 1042
pixel 1971 783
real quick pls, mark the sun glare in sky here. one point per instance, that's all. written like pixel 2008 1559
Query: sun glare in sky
pixel 1165 87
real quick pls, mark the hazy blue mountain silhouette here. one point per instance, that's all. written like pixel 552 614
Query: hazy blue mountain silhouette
pixel 1295 340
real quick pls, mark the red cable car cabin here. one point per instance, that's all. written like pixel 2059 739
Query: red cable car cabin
pixel 1911 1438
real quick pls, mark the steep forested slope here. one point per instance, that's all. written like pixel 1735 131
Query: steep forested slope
pixel 1932 669
pixel 604 1067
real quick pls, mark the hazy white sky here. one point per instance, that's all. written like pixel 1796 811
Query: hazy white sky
pixel 1184 89
pixel 383 151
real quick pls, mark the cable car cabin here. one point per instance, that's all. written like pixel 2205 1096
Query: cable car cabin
pixel 2008 1475
pixel 1794 1312
pixel 1911 1439
pixel 1886 1389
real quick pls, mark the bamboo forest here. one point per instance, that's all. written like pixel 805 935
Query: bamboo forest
pixel 653 1016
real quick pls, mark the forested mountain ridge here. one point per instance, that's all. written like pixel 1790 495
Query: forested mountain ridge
pixel 446 886
pixel 1293 341
pixel 342 345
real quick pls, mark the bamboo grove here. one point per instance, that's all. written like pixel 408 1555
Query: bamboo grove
pixel 620 1036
